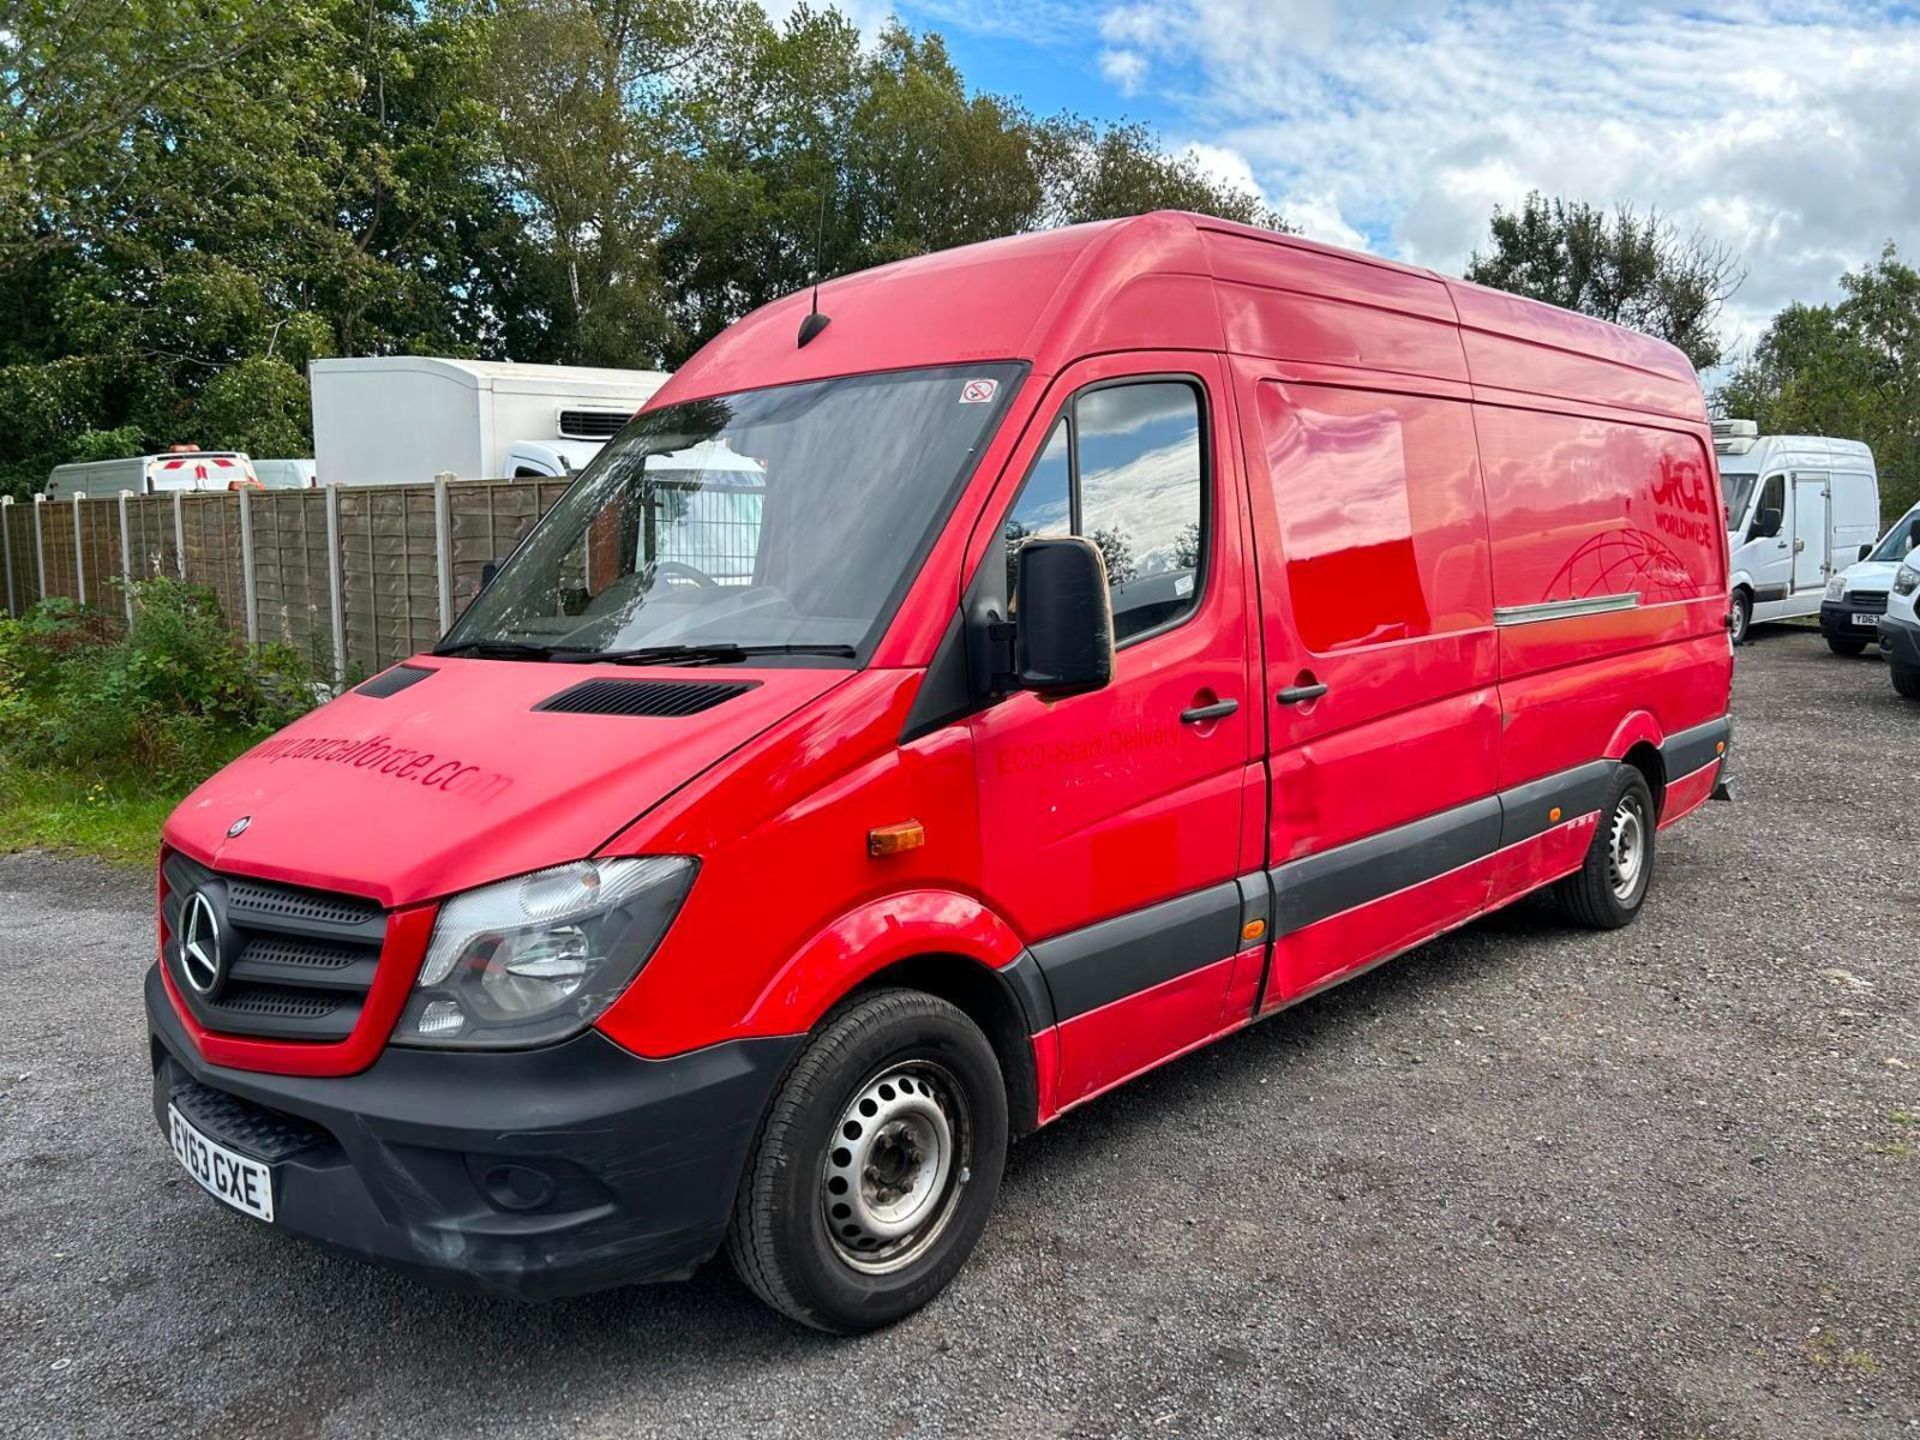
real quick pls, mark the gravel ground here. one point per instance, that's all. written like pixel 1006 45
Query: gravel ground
pixel 1661 1182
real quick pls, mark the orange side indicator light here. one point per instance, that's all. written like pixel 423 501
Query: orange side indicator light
pixel 1253 929
pixel 1553 815
pixel 1720 747
pixel 896 839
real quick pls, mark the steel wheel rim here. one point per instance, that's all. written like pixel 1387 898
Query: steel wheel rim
pixel 895 1166
pixel 1742 618
pixel 1627 848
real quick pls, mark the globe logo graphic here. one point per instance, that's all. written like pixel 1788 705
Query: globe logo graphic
pixel 1620 562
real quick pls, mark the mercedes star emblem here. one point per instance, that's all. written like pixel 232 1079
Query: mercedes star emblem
pixel 200 959
pixel 239 825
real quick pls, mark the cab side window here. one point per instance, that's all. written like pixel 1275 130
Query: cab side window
pixel 1772 509
pixel 1125 467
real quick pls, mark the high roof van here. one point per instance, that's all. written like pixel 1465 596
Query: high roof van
pixel 947 700
pixel 1800 509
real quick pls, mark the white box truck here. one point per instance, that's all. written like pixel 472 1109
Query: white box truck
pixel 1800 509
pixel 403 419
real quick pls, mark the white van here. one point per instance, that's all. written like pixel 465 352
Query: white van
pixel 1899 628
pixel 285 474
pixel 1856 598
pixel 186 467
pixel 403 419
pixel 1800 508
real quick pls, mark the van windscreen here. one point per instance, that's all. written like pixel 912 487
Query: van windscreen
pixel 1736 487
pixel 794 515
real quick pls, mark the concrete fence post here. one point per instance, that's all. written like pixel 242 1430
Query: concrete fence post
pixel 443 547
pixel 246 566
pixel 126 556
pixel 6 548
pixel 180 533
pixel 336 596
pixel 40 543
pixel 79 548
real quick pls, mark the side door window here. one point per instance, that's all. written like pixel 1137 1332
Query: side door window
pixel 1771 512
pixel 1126 466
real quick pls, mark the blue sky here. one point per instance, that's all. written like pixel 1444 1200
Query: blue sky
pixel 1787 129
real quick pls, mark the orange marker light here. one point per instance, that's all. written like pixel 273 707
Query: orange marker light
pixel 1554 813
pixel 1253 929
pixel 1720 747
pixel 895 839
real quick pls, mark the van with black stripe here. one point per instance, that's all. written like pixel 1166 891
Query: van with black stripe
pixel 961 689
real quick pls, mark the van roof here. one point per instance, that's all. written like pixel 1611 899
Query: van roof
pixel 485 374
pixel 1173 280
pixel 1770 449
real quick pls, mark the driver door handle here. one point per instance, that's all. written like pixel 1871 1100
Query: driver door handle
pixel 1300 694
pixel 1201 714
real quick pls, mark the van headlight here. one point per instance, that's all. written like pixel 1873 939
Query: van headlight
pixel 1836 588
pixel 535 959
pixel 1906 580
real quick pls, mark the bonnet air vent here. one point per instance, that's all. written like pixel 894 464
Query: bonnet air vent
pixel 668 698
pixel 392 682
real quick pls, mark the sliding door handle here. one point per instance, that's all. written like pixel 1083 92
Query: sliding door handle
pixel 1202 714
pixel 1300 694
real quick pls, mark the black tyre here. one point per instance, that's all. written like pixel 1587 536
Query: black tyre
pixel 1607 890
pixel 1906 682
pixel 1846 647
pixel 876 1167
pixel 1740 617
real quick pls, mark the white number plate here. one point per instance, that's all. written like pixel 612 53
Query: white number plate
pixel 244 1184
pixel 1871 622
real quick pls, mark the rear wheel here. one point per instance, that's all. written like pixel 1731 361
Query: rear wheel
pixel 1607 890
pixel 877 1166
pixel 1740 617
pixel 1846 647
pixel 1906 681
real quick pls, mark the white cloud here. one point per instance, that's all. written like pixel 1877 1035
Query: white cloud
pixel 1123 69
pixel 1783 128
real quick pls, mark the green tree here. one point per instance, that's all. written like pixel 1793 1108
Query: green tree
pixel 1634 270
pixel 1850 370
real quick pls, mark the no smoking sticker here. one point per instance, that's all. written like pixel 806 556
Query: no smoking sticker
pixel 978 392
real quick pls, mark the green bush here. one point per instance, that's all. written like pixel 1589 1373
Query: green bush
pixel 168 701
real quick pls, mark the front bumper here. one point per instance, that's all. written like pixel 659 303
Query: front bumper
pixel 533 1174
pixel 1900 640
pixel 1836 622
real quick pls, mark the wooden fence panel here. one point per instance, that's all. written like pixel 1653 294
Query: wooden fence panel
pixel 212 525
pixel 290 572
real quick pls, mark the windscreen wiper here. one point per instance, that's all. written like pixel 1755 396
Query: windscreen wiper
pixel 499 650
pixel 713 654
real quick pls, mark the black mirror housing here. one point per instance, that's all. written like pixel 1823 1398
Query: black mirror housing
pixel 1865 550
pixel 1063 617
pixel 1766 524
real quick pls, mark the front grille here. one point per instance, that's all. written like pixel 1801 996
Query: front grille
pixel 1866 600
pixel 297 963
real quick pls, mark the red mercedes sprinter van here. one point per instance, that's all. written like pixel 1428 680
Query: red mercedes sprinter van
pixel 1060 653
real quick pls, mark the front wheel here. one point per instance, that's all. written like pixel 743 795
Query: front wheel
pixel 1607 890
pixel 1846 647
pixel 877 1166
pixel 1740 617
pixel 1906 682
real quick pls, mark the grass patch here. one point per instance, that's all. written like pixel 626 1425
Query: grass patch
pixel 118 821
pixel 104 728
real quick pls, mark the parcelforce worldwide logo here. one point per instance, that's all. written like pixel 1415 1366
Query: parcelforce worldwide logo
pixel 202 961
pixel 398 762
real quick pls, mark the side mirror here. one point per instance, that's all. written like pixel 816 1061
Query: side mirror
pixel 487 572
pixel 1766 524
pixel 1866 550
pixel 1063 616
